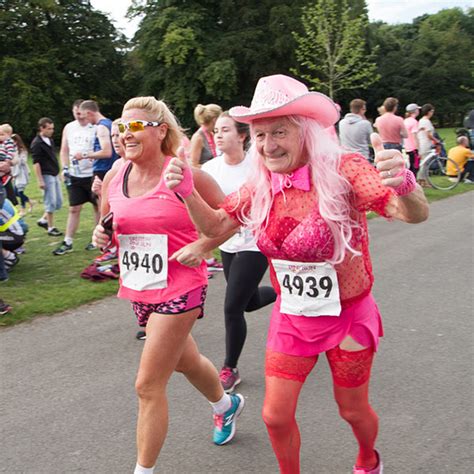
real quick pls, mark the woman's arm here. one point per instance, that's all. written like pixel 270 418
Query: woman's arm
pixel 209 220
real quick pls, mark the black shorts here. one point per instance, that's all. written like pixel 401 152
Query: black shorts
pixel 100 174
pixel 11 241
pixel 79 191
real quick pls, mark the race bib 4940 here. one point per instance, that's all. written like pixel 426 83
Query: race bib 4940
pixel 143 261
pixel 308 289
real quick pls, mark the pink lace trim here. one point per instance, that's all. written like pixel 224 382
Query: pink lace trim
pixel 350 369
pixel 287 366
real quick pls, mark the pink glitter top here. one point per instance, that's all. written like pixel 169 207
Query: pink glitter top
pixel 297 232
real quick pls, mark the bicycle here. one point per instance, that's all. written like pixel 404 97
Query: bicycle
pixel 433 170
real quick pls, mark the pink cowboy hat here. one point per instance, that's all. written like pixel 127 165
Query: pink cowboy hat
pixel 282 95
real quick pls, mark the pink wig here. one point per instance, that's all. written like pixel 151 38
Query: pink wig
pixel 333 189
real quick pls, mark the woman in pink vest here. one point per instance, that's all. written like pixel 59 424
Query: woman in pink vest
pixel 151 224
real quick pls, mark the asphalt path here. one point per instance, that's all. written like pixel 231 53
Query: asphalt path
pixel 67 382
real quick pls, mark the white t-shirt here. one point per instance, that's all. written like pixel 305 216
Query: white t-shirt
pixel 424 126
pixel 80 139
pixel 230 178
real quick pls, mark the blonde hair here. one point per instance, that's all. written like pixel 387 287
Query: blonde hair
pixel 158 111
pixel 6 128
pixel 204 114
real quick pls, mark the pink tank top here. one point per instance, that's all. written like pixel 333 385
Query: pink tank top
pixel 158 212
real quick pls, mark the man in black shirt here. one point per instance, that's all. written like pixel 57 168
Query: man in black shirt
pixel 46 168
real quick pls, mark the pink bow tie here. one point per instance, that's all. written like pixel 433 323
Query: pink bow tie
pixel 298 179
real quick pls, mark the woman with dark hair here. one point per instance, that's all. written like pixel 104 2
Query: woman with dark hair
pixel 244 264
pixel 21 172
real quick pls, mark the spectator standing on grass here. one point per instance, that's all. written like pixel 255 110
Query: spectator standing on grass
pixel 411 142
pixel 46 167
pixel 8 148
pixel 426 131
pixel 3 270
pixel 391 127
pixel 21 173
pixel 76 144
pixel 103 152
pixel 355 129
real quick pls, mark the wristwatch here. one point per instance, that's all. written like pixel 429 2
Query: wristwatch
pixel 85 154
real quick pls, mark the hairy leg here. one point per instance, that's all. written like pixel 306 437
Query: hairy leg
pixel 350 365
pixel 285 376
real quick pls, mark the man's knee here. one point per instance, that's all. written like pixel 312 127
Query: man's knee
pixel 75 210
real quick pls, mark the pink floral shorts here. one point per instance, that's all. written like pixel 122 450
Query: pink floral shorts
pixel 191 300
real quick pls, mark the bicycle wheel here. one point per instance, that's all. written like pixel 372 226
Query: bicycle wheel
pixel 437 176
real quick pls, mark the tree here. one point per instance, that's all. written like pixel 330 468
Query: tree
pixel 189 52
pixel 55 51
pixel 332 52
pixel 427 61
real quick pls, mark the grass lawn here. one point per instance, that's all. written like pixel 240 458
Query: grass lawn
pixel 43 284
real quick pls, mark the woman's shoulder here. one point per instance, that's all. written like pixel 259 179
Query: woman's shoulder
pixel 197 136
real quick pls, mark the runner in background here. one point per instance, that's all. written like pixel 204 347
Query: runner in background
pixel 244 264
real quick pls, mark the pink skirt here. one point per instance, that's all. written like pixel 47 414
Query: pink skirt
pixel 308 336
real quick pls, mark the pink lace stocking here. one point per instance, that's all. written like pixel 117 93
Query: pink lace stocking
pixel 351 374
pixel 350 369
pixel 287 366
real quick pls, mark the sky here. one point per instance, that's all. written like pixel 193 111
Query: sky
pixel 389 11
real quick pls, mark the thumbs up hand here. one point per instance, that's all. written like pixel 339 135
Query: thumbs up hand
pixel 178 175
pixel 390 163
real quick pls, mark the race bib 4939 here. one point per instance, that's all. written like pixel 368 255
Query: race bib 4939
pixel 308 289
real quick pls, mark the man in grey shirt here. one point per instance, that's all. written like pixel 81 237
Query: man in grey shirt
pixel 355 129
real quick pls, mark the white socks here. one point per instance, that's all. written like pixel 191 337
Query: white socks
pixel 222 405
pixel 68 240
pixel 143 470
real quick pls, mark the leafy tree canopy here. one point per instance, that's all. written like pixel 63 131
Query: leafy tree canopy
pixel 55 51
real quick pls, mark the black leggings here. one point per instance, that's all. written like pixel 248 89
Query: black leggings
pixel 243 272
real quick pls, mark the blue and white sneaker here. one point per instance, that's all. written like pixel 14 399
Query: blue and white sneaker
pixel 224 425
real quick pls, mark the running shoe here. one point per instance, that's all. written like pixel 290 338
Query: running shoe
pixel 106 257
pixel 62 249
pixel 214 265
pixel 43 224
pixel 4 308
pixel 20 250
pixel 468 181
pixel 229 378
pixel 54 232
pixel 90 246
pixel 378 469
pixel 224 425
pixel 141 335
